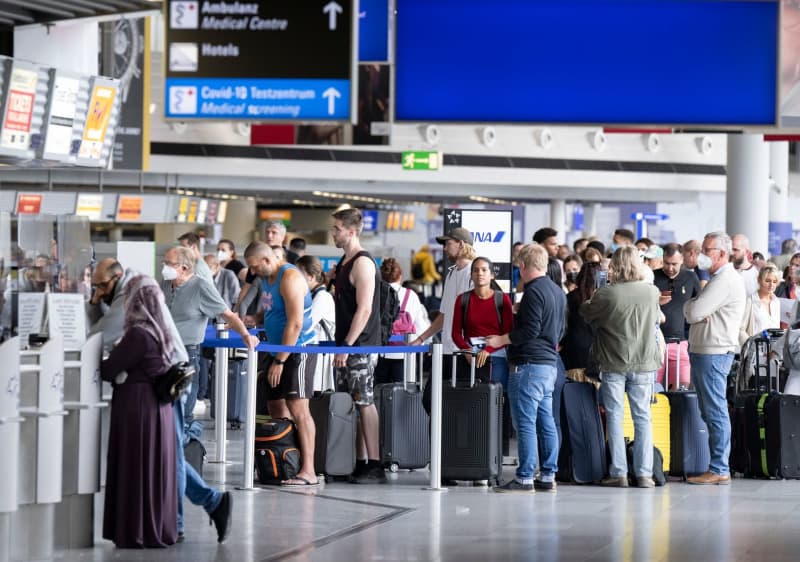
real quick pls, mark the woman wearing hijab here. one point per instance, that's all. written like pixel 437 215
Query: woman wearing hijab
pixel 141 508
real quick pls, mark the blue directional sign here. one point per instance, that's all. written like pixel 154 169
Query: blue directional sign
pixel 649 216
pixel 370 220
pixel 260 60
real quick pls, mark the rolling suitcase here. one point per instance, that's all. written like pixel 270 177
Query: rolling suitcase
pixel 335 444
pixel 472 420
pixel 237 392
pixel 783 436
pixel 689 451
pixel 404 423
pixel 755 409
pixel 659 419
pixel 582 458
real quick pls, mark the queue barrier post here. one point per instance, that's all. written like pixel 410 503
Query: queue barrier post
pixel 221 395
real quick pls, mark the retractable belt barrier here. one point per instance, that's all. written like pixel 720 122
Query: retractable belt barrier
pixel 225 340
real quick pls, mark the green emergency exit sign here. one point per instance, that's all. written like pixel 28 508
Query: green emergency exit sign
pixel 423 160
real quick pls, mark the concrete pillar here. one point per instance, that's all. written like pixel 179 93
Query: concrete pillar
pixel 747 202
pixel 779 173
pixel 558 218
pixel 590 211
pixel 780 220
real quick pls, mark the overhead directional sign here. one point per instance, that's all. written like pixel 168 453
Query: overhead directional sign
pixel 261 60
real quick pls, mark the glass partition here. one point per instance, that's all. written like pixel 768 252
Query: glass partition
pixel 74 256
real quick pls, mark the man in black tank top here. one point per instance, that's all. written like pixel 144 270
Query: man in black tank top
pixel 358 325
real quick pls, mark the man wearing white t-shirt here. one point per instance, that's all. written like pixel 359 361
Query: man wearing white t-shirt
pixel 458 248
pixel 740 256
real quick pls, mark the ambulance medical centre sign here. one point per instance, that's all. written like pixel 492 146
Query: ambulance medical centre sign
pixel 260 60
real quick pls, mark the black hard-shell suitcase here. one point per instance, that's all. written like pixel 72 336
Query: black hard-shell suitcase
pixel 237 392
pixel 472 427
pixel 582 458
pixel 335 444
pixel 783 436
pixel 404 423
pixel 689 450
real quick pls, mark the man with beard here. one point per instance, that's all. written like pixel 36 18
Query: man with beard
pixel 106 308
pixel 740 257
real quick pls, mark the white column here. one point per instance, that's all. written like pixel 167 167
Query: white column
pixel 558 218
pixel 747 202
pixel 590 211
pixel 779 188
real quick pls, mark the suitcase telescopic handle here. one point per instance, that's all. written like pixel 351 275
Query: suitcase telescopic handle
pixel 465 353
pixel 677 342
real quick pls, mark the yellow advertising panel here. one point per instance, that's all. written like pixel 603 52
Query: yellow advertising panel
pixel 94 132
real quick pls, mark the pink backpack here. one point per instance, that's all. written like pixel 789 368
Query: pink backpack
pixel 404 323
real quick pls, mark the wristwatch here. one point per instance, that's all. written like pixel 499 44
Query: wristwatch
pixel 279 361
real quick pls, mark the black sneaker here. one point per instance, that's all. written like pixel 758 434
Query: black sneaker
pixel 540 486
pixel 221 517
pixel 515 486
pixel 372 475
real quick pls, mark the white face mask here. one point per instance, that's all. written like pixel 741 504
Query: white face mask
pixel 168 273
pixel 703 262
pixel 223 256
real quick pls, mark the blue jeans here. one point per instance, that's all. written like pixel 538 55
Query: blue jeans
pixel 710 375
pixel 500 370
pixel 191 396
pixel 189 482
pixel 202 378
pixel 530 390
pixel 639 387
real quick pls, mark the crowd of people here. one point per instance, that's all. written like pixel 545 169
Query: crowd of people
pixel 606 315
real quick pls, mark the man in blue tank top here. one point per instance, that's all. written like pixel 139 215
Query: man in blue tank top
pixel 286 305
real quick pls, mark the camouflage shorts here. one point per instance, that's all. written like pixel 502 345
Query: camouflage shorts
pixel 357 378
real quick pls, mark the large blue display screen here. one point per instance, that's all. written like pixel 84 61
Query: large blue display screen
pixel 678 62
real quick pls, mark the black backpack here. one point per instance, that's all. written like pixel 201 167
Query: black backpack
pixel 276 451
pixel 389 309
pixel 417 271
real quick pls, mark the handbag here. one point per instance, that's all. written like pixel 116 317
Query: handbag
pixel 174 382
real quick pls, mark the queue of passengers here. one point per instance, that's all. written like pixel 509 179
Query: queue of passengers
pixel 703 297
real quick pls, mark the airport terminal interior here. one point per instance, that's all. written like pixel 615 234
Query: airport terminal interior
pixel 130 127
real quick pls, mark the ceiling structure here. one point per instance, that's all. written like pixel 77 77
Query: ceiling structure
pixel 26 12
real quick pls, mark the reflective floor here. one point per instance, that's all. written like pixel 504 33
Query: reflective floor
pixel 750 520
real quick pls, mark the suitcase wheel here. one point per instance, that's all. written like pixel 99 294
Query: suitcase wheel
pixel 394 467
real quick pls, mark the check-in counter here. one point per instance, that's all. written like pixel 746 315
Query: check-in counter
pixel 10 420
pixel 40 480
pixel 81 459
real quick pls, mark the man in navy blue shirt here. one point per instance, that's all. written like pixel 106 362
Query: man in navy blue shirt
pixel 532 356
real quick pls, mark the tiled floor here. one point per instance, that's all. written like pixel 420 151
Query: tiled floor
pixel 750 520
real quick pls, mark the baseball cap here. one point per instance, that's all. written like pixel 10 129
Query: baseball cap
pixel 654 252
pixel 459 233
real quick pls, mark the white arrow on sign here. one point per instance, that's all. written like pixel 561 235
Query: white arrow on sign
pixel 331 94
pixel 332 9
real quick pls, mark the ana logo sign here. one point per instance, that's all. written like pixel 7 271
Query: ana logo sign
pixel 490 237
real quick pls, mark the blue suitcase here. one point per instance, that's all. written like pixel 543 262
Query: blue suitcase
pixel 583 448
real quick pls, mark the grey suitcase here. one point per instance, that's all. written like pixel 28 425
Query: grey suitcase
pixel 404 423
pixel 237 392
pixel 335 444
